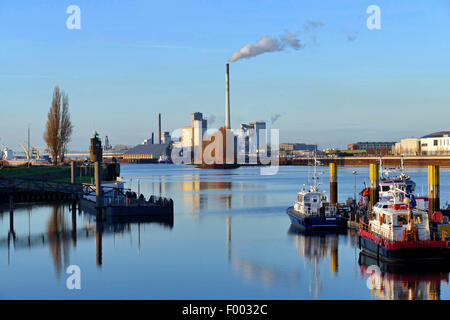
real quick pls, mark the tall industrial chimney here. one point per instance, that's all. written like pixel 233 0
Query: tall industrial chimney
pixel 227 99
pixel 159 128
pixel 153 138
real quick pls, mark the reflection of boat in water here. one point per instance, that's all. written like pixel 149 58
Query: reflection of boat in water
pixel 312 208
pixel 112 224
pixel 117 222
pixel 317 245
pixel 402 281
pixel 116 201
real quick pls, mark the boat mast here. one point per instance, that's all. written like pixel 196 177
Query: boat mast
pixel 316 183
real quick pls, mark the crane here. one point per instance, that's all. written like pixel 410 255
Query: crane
pixel 34 151
pixel 26 151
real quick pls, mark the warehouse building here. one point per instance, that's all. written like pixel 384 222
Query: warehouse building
pixel 147 153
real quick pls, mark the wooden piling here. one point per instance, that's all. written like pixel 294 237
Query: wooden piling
pixel 433 190
pixel 333 183
pixel 73 174
pixel 374 184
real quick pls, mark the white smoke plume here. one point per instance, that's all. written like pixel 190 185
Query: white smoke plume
pixel 313 25
pixel 275 117
pixel 351 37
pixel 211 119
pixel 268 44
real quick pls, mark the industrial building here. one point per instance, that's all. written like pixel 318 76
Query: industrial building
pixel 166 138
pixel 410 146
pixel 294 150
pixel 147 153
pixel 372 147
pixel 251 141
pixel 437 143
pixel 192 136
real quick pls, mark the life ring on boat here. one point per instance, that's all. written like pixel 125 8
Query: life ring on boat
pixel 437 217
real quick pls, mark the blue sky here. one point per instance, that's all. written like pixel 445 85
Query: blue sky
pixel 132 59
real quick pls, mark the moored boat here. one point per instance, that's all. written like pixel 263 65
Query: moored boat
pixel 312 208
pixel 399 231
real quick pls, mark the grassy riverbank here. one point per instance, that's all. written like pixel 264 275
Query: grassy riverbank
pixel 33 172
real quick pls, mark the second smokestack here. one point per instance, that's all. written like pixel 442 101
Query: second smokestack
pixel 159 128
pixel 227 98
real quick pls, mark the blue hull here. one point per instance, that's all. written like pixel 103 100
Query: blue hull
pixel 316 222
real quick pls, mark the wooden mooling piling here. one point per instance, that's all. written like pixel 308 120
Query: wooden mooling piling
pixel 433 189
pixel 333 183
pixel 73 172
pixel 374 186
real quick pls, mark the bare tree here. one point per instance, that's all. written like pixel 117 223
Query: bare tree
pixel 59 127
pixel 65 127
pixel 51 135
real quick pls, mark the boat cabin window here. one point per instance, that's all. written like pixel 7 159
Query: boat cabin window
pixel 402 219
pixel 385 206
pixel 315 199
pixel 385 188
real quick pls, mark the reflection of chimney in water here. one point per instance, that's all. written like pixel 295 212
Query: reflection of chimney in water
pixel 229 237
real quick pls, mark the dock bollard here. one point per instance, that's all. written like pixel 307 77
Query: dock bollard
pixel 433 190
pixel 333 183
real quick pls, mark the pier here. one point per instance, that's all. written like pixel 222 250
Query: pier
pixel 388 161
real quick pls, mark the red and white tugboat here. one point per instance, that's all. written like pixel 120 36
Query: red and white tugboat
pixel 397 231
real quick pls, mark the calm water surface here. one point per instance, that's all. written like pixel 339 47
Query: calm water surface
pixel 230 239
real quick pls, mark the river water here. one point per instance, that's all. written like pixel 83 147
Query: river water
pixel 230 239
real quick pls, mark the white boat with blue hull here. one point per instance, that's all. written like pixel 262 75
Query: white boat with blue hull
pixel 314 222
pixel 312 208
